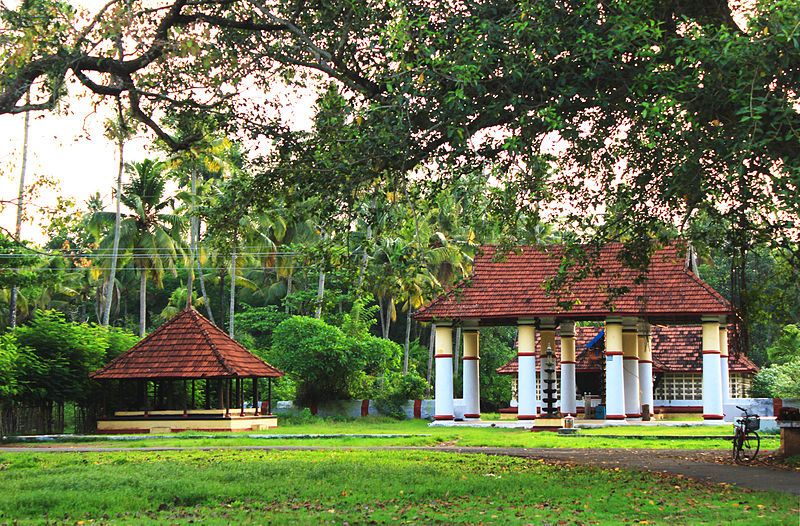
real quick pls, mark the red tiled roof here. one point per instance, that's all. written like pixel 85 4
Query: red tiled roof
pixel 514 287
pixel 676 349
pixel 186 346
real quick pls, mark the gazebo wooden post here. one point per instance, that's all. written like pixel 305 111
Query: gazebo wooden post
pixel 228 397
pixel 146 397
pixel 240 383
pixel 194 401
pixel 184 400
pixel 255 396
pixel 269 396
pixel 208 394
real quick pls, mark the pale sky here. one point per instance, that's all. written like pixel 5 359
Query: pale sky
pixel 70 147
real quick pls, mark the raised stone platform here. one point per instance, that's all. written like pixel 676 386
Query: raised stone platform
pixel 174 421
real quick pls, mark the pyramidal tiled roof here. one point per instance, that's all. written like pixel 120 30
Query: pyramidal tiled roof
pixel 676 349
pixel 186 346
pixel 514 287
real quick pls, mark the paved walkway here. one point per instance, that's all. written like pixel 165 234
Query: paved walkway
pixel 705 465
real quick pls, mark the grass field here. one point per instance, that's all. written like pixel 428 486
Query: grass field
pixel 462 436
pixel 352 487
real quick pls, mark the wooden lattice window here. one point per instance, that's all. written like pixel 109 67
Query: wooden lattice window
pixel 680 386
pixel 740 385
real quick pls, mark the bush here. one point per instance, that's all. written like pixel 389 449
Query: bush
pixel 397 390
pixel 764 383
pixel 9 355
pixel 778 381
pixel 317 356
pixel 258 324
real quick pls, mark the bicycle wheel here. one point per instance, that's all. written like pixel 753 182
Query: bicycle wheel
pixel 751 443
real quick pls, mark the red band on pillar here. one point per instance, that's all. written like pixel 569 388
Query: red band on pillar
pixel 527 354
pixel 630 358
pixel 526 417
pixel 712 417
pixel 443 417
pixel 442 355
pixel 710 352
pixel 645 361
pixel 615 417
pixel 568 362
pixel 613 353
pixel 472 415
pixel 470 358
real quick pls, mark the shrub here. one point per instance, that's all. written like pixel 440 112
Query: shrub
pixel 778 381
pixel 397 390
pixel 787 347
pixel 315 355
pixel 258 324
pixel 764 383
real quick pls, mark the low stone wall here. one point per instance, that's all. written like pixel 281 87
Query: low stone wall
pixel 357 408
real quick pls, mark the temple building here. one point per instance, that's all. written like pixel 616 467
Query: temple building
pixel 188 375
pixel 677 370
pixel 632 307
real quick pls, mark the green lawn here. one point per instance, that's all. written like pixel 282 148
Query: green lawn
pixel 358 487
pixel 462 436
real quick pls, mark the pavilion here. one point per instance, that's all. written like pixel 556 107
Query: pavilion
pixel 166 367
pixel 510 290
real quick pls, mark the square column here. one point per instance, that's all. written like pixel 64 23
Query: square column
pixel 615 386
pixel 443 403
pixel 723 362
pixel 630 367
pixel 547 339
pixel 712 371
pixel 526 370
pixel 645 366
pixel 471 375
pixel 568 385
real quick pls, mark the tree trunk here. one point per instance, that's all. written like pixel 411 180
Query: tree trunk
pixel 320 294
pixel 364 259
pixel 142 301
pixel 12 302
pixel 457 351
pixel 203 292
pixel 112 274
pixel 288 291
pixel 431 347
pixel 232 307
pixel 387 320
pixel 192 241
pixel 409 319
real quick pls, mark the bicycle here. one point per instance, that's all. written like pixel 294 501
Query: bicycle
pixel 746 441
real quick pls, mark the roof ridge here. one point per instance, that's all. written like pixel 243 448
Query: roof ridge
pixel 212 345
pixel 708 288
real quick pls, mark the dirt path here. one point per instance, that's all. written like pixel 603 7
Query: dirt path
pixel 705 465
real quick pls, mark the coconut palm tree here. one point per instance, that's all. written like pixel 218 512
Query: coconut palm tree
pixel 150 236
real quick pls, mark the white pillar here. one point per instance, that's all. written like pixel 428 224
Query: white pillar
pixel 443 404
pixel 712 372
pixel 568 386
pixel 723 362
pixel 547 339
pixel 526 379
pixel 630 368
pixel 472 389
pixel 645 366
pixel 615 387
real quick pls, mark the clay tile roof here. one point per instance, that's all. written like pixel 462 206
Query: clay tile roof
pixel 186 346
pixel 514 287
pixel 676 349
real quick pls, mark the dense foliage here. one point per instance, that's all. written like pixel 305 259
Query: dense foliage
pixel 436 127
